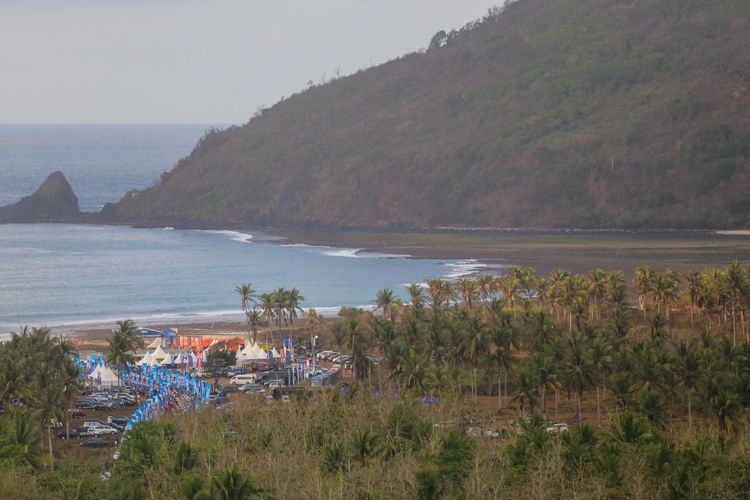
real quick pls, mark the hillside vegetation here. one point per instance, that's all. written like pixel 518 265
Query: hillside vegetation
pixel 547 113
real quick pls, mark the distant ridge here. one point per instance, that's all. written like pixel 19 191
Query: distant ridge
pixel 546 114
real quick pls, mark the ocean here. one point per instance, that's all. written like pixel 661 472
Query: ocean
pixel 66 276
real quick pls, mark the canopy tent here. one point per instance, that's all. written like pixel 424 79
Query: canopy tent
pixel 168 360
pixel 103 376
pixel 275 353
pixel 192 359
pixel 148 359
pixel 155 344
pixel 159 354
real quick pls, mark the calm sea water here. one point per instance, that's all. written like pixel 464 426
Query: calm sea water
pixel 72 274
pixel 102 162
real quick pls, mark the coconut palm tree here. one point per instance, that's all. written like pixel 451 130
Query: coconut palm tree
pixel 232 484
pixel 547 377
pixel 579 373
pixel 486 286
pixel 468 289
pixel 384 300
pixel 602 353
pixel 474 345
pixel 416 296
pixel 119 352
pixel 596 287
pixel 246 293
pixel 292 299
pixel 687 368
pixel 51 407
pixel 254 317
pixel 644 285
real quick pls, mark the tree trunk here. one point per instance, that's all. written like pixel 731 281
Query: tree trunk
pixel 49 441
pixel 499 393
pixel 544 403
pixel 557 404
pixel 579 417
pixel 598 408
pixel 690 413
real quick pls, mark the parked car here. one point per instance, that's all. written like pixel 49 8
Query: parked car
pixel 121 421
pixel 251 389
pixel 64 435
pixel 95 443
pixel 245 378
pixel 76 413
pixel 102 430
pixel 557 428
pixel 231 388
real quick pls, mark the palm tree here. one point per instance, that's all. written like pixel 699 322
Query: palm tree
pixel 508 284
pixel 486 286
pixel 440 293
pixel 694 292
pixel 596 287
pixel 474 345
pixel 601 358
pixel 468 289
pixel 232 484
pixel 268 310
pixel 129 330
pixel 119 352
pixel 547 378
pixel 540 331
pixel 644 284
pixel 416 296
pixel 384 300
pixel 526 392
pixel 51 407
pixel 254 317
pixel 579 373
pixel 293 298
pixel 501 354
pixel 246 293
pixel 688 371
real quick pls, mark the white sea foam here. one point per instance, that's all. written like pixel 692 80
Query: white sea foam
pixel 233 235
pixel 468 267
pixel 358 253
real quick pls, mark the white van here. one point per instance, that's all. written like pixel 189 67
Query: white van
pixel 245 378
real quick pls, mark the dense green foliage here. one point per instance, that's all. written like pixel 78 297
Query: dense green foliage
pixel 653 377
pixel 545 114
pixel 38 382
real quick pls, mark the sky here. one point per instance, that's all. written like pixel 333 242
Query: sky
pixel 196 61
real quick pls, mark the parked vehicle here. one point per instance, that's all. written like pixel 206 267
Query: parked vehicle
pixel 117 422
pixel 251 389
pixel 102 430
pixel 76 413
pixel 557 428
pixel 95 443
pixel 64 435
pixel 245 378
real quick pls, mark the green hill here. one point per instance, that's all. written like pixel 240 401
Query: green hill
pixel 549 113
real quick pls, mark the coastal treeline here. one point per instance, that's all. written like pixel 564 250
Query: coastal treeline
pixel 455 390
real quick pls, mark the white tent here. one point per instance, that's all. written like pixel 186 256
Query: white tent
pixel 155 344
pixel 148 359
pixel 159 354
pixel 180 359
pixel 168 360
pixel 275 353
pixel 104 377
pixel 255 353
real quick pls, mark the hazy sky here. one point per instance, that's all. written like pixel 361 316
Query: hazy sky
pixel 195 61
